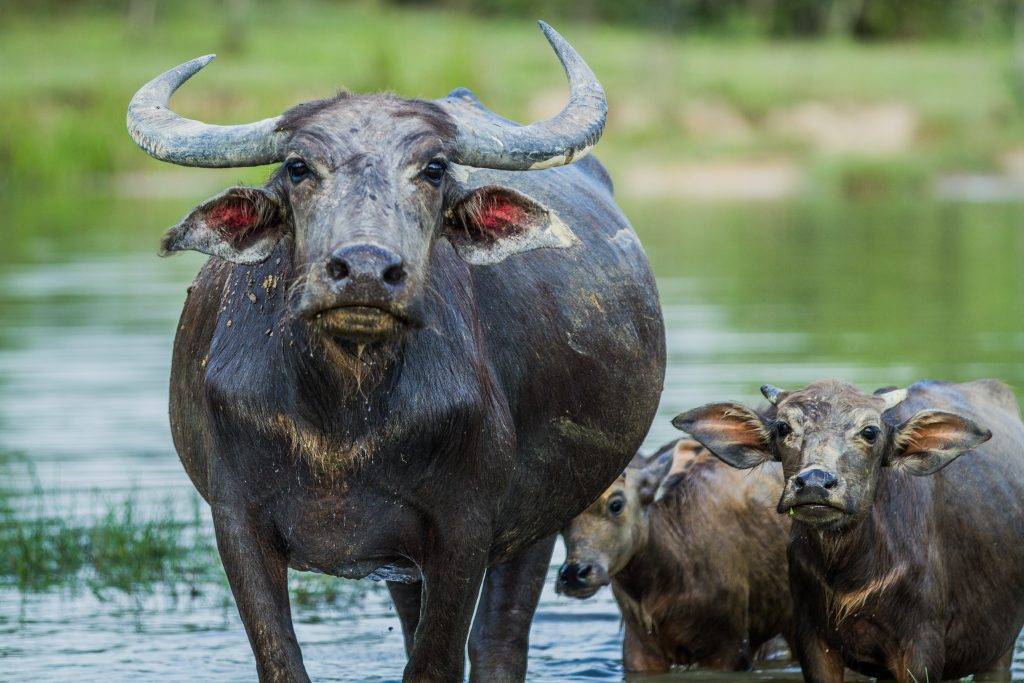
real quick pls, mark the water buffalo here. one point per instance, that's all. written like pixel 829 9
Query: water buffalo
pixel 695 556
pixel 418 351
pixel 904 561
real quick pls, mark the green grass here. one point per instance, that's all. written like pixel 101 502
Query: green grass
pixel 126 551
pixel 68 78
pixel 117 550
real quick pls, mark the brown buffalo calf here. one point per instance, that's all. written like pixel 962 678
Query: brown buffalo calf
pixel 696 559
pixel 893 573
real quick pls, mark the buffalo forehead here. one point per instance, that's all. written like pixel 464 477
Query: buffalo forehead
pixel 832 403
pixel 369 120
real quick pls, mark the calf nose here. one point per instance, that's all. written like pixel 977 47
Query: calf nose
pixel 815 477
pixel 366 262
pixel 574 575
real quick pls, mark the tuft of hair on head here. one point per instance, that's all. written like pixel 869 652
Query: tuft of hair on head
pixel 301 113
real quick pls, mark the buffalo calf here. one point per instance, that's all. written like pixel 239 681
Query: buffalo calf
pixel 695 558
pixel 905 560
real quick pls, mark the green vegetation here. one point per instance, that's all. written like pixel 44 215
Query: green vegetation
pixel 852 117
pixel 43 547
pixel 864 19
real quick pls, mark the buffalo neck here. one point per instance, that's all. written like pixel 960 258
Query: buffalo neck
pixel 651 567
pixel 872 549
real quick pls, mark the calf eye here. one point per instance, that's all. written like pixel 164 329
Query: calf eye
pixel 434 171
pixel 615 507
pixel 297 170
pixel 782 429
pixel 870 433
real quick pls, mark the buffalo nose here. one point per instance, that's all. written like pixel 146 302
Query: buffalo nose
pixel 366 262
pixel 574 575
pixel 815 477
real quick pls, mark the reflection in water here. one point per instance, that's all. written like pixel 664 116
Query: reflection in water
pixel 752 294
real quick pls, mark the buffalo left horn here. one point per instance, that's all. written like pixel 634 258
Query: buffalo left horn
pixel 169 137
pixel 489 141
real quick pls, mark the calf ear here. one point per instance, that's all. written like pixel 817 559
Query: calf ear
pixel 492 223
pixel 731 431
pixel 241 225
pixel 932 439
pixel 650 477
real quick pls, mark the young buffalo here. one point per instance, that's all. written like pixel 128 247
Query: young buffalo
pixel 894 573
pixel 695 558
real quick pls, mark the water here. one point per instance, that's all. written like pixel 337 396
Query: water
pixel 752 293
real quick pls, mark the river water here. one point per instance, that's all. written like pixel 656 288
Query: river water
pixel 878 294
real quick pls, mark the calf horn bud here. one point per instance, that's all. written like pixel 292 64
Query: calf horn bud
pixel 772 393
pixel 893 398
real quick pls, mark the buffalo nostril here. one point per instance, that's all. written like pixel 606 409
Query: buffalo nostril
pixel 584 571
pixel 338 269
pixel 394 275
pixel 815 478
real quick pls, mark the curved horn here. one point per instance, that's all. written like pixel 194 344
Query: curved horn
pixel 772 393
pixel 488 141
pixel 168 137
pixel 893 398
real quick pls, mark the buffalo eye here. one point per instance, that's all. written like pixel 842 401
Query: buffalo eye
pixel 615 507
pixel 782 429
pixel 434 171
pixel 297 170
pixel 870 433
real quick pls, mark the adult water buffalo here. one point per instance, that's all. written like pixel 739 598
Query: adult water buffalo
pixel 406 360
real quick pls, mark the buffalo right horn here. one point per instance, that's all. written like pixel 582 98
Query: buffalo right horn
pixel 166 136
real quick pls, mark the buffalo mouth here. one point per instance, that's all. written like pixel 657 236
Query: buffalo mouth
pixel 578 592
pixel 815 512
pixel 361 323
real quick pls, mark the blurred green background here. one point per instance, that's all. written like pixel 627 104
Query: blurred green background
pixel 826 188
pixel 851 98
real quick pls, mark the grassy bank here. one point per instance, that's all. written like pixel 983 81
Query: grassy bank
pixel 840 114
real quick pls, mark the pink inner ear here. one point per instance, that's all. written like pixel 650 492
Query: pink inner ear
pixel 233 219
pixel 498 214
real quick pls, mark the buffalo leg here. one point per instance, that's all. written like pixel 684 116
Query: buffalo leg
pixel 258 573
pixel 921 661
pixel 500 640
pixel 640 653
pixel 1000 671
pixel 406 598
pixel 819 662
pixel 451 584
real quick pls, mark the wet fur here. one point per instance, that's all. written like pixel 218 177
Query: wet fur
pixel 709 585
pixel 460 444
pixel 932 579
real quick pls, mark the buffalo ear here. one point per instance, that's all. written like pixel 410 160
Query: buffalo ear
pixel 240 225
pixel 492 223
pixel 932 439
pixel 682 456
pixel 733 432
pixel 650 476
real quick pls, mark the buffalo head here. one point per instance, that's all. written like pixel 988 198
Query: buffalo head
pixel 365 187
pixel 833 441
